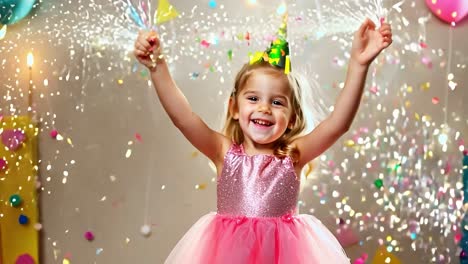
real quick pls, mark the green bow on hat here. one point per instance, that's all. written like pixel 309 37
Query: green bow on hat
pixel 278 52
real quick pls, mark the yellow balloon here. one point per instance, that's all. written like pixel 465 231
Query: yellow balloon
pixel 382 256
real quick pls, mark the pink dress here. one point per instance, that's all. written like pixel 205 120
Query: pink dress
pixel 256 221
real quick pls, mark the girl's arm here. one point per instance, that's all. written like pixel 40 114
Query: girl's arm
pixel 367 44
pixel 206 140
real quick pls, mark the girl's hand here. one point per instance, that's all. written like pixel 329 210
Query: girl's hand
pixel 147 49
pixel 369 42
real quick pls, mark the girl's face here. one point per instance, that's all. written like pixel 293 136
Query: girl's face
pixel 264 108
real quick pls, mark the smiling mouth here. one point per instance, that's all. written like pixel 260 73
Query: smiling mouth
pixel 262 122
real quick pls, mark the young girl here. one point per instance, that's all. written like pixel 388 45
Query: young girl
pixel 259 157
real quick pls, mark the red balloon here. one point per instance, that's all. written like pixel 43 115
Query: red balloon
pixel 449 10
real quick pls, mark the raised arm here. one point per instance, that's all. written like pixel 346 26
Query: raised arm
pixel 367 44
pixel 206 140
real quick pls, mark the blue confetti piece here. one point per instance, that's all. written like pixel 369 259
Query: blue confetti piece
pixel 212 4
pixel 134 67
pixel 194 75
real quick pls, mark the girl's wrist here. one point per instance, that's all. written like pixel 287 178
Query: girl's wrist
pixel 356 65
pixel 157 63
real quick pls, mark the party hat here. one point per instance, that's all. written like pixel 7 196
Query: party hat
pixel 278 52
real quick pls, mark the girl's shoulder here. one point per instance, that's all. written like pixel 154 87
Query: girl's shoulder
pixel 226 146
pixel 234 148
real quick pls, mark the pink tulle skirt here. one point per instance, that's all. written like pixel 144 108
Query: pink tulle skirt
pixel 289 239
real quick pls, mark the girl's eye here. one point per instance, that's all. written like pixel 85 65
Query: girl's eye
pixel 276 102
pixel 252 98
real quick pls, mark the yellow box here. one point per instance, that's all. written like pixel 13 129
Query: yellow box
pixel 20 178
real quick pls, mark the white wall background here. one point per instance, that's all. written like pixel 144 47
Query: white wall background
pixel 114 195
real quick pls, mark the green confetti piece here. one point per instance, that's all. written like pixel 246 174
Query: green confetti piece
pixel 144 73
pixel 378 183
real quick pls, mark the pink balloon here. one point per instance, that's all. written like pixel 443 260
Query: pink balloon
pixel 13 138
pixel 449 10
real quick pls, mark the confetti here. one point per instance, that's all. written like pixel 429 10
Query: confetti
pixel 205 43
pixel 3 31
pixel 88 235
pixel 145 230
pixel 200 186
pixel 138 137
pixel 212 4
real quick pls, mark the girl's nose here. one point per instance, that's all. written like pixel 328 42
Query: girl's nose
pixel 264 108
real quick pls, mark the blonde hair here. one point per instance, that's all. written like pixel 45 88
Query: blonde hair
pixel 283 146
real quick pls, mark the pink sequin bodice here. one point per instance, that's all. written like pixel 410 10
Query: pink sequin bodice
pixel 256 186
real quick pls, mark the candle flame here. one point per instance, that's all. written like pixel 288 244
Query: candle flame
pixel 30 59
